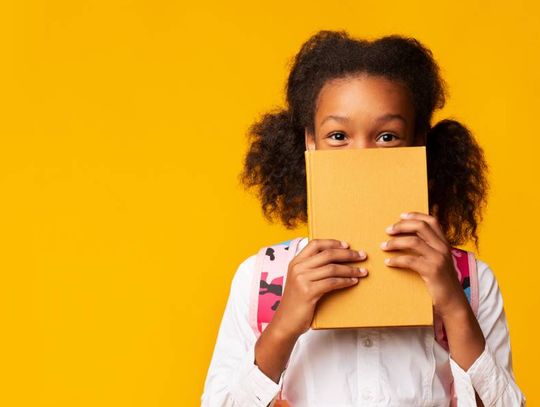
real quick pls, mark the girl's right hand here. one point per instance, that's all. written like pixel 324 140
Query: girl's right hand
pixel 312 273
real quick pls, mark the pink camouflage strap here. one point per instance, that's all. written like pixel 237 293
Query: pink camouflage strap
pixel 271 268
pixel 465 265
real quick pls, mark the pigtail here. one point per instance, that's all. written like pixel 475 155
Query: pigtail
pixel 275 165
pixel 457 180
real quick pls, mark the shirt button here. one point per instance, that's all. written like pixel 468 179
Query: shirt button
pixel 367 342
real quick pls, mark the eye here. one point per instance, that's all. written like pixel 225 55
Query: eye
pixel 337 133
pixel 387 137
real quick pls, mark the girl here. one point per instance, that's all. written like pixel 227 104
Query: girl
pixel 349 93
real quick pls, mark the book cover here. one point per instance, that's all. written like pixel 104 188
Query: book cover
pixel 353 195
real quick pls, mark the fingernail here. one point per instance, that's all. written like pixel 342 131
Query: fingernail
pixel 387 261
pixel 363 271
pixel 362 253
pixel 383 245
pixel 344 244
pixel 389 229
pixel 354 279
pixel 405 215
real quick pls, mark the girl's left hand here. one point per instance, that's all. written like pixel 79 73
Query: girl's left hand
pixel 429 254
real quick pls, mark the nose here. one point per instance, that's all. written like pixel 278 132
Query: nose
pixel 363 141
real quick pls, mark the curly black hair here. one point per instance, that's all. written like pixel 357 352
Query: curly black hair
pixel 275 162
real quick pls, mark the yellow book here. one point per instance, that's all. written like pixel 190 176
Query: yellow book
pixel 353 195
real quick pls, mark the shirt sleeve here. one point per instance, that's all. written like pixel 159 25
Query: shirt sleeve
pixel 491 374
pixel 233 379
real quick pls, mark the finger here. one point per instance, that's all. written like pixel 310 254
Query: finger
pixel 323 286
pixel 336 270
pixel 415 263
pixel 431 220
pixel 338 255
pixel 413 243
pixel 314 246
pixel 420 228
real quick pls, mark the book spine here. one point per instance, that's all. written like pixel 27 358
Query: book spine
pixel 309 185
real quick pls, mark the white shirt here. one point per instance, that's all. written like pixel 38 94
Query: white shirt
pixel 361 367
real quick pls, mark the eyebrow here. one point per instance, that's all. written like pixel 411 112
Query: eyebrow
pixel 384 118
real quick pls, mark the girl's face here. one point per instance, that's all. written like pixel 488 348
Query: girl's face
pixel 364 111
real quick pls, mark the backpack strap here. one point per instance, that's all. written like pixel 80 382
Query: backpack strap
pixel 268 281
pixel 466 270
pixel 271 266
pixel 465 265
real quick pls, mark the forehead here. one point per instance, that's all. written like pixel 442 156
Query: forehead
pixel 363 95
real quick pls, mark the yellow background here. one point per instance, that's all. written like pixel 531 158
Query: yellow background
pixel 123 130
